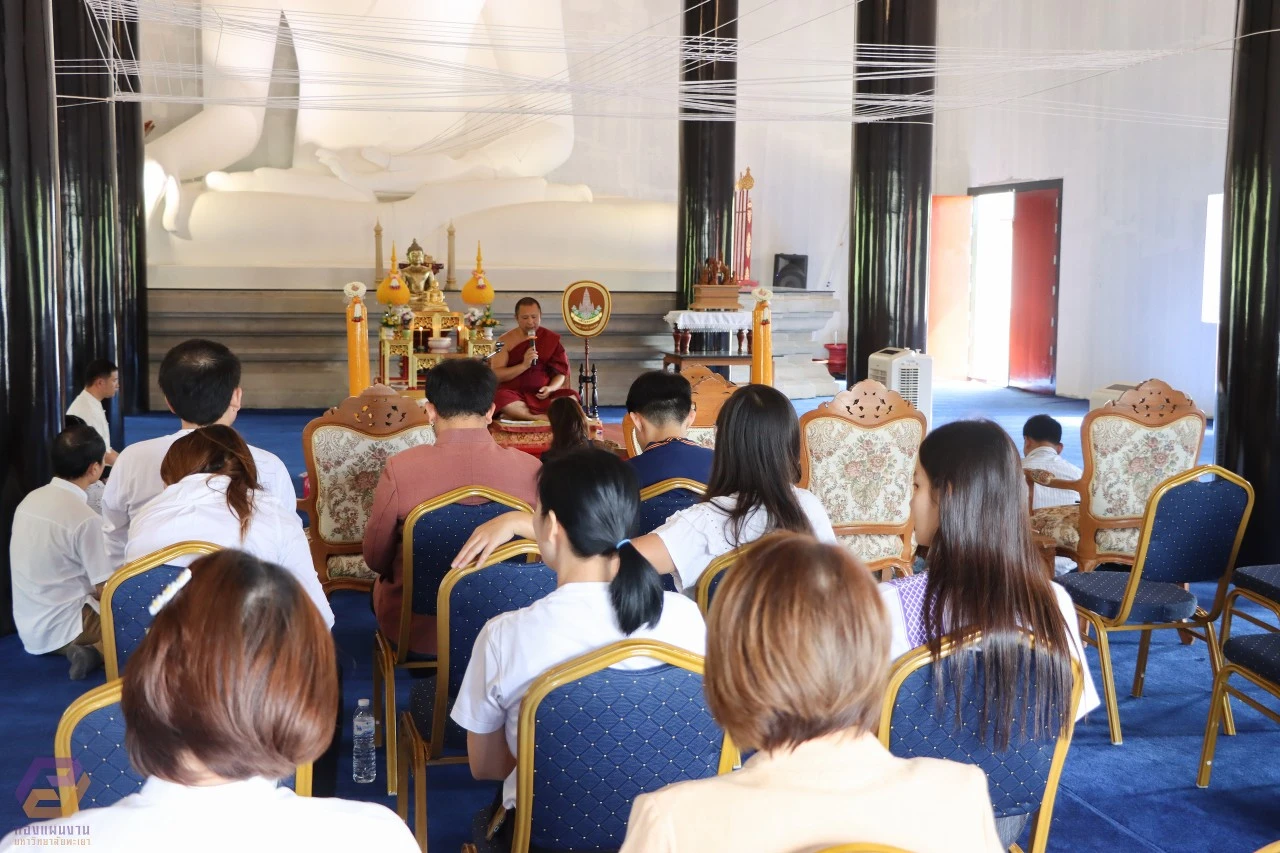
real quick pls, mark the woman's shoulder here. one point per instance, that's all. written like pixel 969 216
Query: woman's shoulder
pixel 374 824
pixel 941 774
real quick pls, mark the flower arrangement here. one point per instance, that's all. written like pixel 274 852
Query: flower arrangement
pixel 397 317
pixel 478 319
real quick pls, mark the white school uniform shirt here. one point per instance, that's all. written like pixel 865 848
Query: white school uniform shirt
pixel 901 642
pixel 88 408
pixel 696 535
pixel 252 816
pixel 57 556
pixel 196 508
pixel 135 479
pixel 1047 459
pixel 515 648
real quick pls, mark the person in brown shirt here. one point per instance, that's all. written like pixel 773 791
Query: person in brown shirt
pixel 460 396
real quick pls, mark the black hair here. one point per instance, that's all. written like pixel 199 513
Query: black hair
pixel 528 300
pixel 596 498
pixel 660 396
pixel 99 368
pixel 75 449
pixel 461 386
pixel 198 379
pixel 1042 428
pixel 73 421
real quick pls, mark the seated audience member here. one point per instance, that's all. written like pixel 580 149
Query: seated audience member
pixel 212 494
pixel 233 687
pixel 606 592
pixel 797 664
pixel 751 492
pixel 570 429
pixel 661 404
pixel 1042 449
pixel 460 405
pixel 201 384
pixel 58 558
pixel 94 490
pixel 101 382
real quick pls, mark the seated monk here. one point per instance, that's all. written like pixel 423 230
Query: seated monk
pixel 532 366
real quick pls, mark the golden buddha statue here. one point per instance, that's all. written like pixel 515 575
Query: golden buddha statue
pixel 426 296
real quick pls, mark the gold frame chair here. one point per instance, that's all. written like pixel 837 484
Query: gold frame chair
pixel 94 700
pixel 131 570
pixel 415 753
pixel 670 485
pixel 1200 625
pixel 920 657
pixel 386 660
pixel 571 671
pixel 1220 703
pixel 717 566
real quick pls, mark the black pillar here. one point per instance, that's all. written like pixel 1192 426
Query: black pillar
pixel 32 374
pixel 131 239
pixel 1248 420
pixel 892 178
pixel 705 202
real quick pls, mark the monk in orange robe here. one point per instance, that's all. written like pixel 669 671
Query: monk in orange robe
pixel 532 367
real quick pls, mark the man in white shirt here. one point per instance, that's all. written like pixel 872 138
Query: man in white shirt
pixel 101 382
pixel 58 557
pixel 1042 451
pixel 201 384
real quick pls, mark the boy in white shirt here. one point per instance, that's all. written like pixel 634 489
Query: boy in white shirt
pixel 58 557
pixel 101 382
pixel 201 383
pixel 1042 451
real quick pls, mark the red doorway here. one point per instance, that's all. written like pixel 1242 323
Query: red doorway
pixel 1033 306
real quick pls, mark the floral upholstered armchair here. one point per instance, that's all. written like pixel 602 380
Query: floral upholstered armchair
pixel 858 455
pixel 710 390
pixel 1130 446
pixel 346 449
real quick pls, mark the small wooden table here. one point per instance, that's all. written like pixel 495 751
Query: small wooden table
pixel 706 359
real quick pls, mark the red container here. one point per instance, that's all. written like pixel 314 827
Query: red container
pixel 837 359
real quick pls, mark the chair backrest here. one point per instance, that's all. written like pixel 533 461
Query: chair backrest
pixel 346 450
pixel 128 594
pixel 469 597
pixel 858 455
pixel 709 580
pixel 919 720
pixel 592 739
pixel 663 499
pixel 90 744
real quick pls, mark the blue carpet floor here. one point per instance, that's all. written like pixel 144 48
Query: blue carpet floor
pixel 1140 796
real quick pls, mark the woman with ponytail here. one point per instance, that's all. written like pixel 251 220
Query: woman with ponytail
pixel 588 506
pixel 212 494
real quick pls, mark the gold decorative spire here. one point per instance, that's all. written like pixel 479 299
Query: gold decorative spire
pixel 745 182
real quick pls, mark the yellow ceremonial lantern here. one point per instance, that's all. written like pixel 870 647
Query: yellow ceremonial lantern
pixel 477 290
pixel 393 290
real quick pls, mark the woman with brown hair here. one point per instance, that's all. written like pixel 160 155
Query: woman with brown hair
pixel 570 429
pixel 233 687
pixel 212 494
pixel 797 663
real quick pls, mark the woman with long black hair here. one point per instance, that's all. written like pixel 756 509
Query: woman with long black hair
pixel 588 506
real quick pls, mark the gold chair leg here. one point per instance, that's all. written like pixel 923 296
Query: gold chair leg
pixel 420 794
pixel 389 715
pixel 1216 704
pixel 1140 672
pixel 1108 684
pixel 402 777
pixel 1216 663
pixel 379 723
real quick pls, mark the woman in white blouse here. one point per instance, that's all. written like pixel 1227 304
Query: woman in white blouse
pixel 752 491
pixel 212 494
pixel 232 688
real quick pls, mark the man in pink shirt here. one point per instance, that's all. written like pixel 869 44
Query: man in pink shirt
pixel 460 396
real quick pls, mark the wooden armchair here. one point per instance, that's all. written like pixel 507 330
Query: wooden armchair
pixel 858 456
pixel 1130 446
pixel 710 390
pixel 346 449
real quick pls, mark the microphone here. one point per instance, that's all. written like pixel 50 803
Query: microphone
pixel 533 336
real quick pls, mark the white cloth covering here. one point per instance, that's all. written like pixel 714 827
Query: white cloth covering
pixel 709 321
pixel 196 508
pixel 252 816
pixel 57 556
pixel 515 648
pixel 135 479
pixel 698 534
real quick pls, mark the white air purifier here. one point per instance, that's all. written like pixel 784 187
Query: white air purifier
pixel 908 372
pixel 1108 393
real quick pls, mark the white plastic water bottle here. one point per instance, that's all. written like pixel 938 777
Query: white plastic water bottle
pixel 364 763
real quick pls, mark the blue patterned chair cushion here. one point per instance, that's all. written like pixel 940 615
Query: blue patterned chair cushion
pixel 659 508
pixel 1102 593
pixel 422 706
pixel 97 744
pixel 921 726
pixel 437 538
pixel 1264 580
pixel 711 589
pixel 1259 653
pixel 1194 531
pixel 129 603
pixel 480 596
pixel 603 740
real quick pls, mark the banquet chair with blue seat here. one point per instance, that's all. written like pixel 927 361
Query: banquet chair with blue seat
pixel 1259 584
pixel 663 499
pixel 511 578
pixel 920 719
pixel 592 738
pixel 93 769
pixel 709 580
pixel 1191 532
pixel 127 597
pixel 433 534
